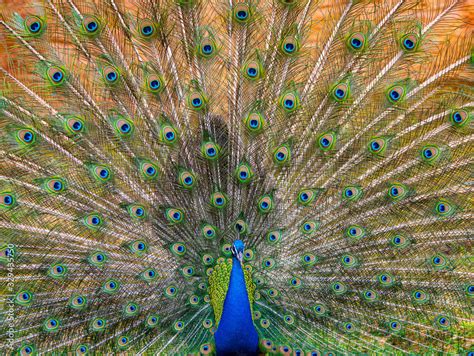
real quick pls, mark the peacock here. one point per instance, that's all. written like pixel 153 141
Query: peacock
pixel 241 177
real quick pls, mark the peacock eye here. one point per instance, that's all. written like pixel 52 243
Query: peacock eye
pixel 409 42
pixel 289 101
pixel 356 42
pixel 91 25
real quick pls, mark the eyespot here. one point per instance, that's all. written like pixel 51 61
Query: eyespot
pixel 356 41
pixel 309 259
pixel 370 295
pixel 55 185
pixel 444 208
pixel 274 236
pixel 397 191
pixel 340 92
pixel 386 279
pixel 82 350
pixel 290 45
pixel 265 323
pixel 78 302
pixel 268 263
pixel 282 155
pixel 131 309
pixel 244 173
pixel 7 252
pixel 208 231
pixel 349 261
pixel 194 300
pixel 51 325
pixel 178 326
pixel 249 255
pixel 186 179
pixel 307 196
pixel 168 134
pixel 26 137
pixel 265 204
pixel 7 200
pixel 327 141
pixel 295 282
pixel 349 327
pixel 430 154
pixel 110 74
pixel 355 232
pixel 207 48
pixel 74 125
pixel 152 320
pixel 351 193
pixel 171 291
pixel 253 70
pixel 442 322
pixel 149 170
pixel 34 25
pixel 196 101
pixel 149 275
pixel 138 246
pixel 399 241
pixel 459 118
pixel 241 226
pixel 98 324
pixel 93 221
pixel 111 286
pixel 122 342
pixel 377 145
pixel 285 350
pixel 438 261
pixel 91 25
pixel 219 200
pixel 56 75
pixel 267 344
pixel 124 127
pixel 289 101
pixel 187 271
pixel 207 259
pixel 57 270
pixel 241 13
pixel 254 122
pixel 178 249
pixel 395 93
pixel 339 287
pixel 97 259
pixel 308 227
pixel 174 215
pixel 206 349
pixel 419 296
pixel 154 83
pixel 207 323
pixel 320 309
pixel 27 349
pixel 147 28
pixel 409 42
pixel 23 298
pixel 226 250
pixel 101 173
pixel 210 150
pixel 136 211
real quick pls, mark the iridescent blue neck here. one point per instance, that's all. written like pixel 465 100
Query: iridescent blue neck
pixel 236 333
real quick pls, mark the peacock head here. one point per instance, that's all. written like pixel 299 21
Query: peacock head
pixel 238 249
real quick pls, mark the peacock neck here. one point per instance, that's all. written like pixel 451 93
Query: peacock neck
pixel 236 333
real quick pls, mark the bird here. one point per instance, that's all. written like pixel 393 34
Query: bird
pixel 242 177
